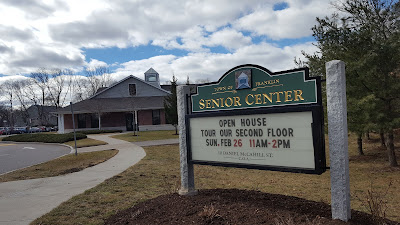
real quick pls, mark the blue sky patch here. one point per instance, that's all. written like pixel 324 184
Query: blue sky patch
pixel 219 49
pixel 280 6
pixel 121 55
pixel 292 41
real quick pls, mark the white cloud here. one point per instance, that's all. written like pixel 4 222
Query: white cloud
pixel 206 65
pixel 292 22
pixel 162 64
pixel 96 63
pixel 52 33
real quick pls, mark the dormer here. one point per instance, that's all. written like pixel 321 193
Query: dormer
pixel 152 77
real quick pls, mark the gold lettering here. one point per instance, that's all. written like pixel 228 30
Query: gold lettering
pixel 288 96
pixel 297 95
pixel 208 103
pixel 258 99
pixel 201 103
pixel 278 97
pixel 237 101
pixel 215 103
pixel 226 102
pixel 266 97
pixel 247 99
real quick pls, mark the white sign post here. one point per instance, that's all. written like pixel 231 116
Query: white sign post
pixel 338 140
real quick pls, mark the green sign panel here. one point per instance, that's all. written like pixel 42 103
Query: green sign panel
pixel 252 86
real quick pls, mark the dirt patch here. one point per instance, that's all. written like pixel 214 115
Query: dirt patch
pixel 233 206
pixel 72 170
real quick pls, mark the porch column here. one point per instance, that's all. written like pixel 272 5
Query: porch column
pixel 60 119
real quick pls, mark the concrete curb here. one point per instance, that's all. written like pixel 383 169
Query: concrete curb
pixel 72 150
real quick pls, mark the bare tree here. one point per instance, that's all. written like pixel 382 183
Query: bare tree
pixel 4 115
pixel 98 108
pixel 202 81
pixel 18 88
pixel 54 85
pixel 59 86
pixel 9 94
pixel 41 78
pixel 35 98
pixel 97 77
pixel 79 84
pixel 131 105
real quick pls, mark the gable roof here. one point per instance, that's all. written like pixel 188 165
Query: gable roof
pixel 104 105
pixel 126 78
pixel 151 70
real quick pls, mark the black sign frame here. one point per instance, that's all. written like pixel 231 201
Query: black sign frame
pixel 317 133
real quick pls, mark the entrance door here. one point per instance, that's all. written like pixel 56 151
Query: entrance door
pixel 156 117
pixel 129 121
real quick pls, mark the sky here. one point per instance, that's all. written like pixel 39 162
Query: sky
pixel 199 39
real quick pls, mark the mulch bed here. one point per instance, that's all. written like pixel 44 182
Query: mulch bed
pixel 233 206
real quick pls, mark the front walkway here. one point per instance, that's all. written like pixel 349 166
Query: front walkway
pixel 21 202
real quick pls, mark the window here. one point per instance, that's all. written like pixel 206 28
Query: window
pixel 132 89
pixel 81 120
pixel 151 78
pixel 94 121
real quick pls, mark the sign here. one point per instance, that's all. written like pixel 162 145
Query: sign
pixel 252 86
pixel 253 118
pixel 261 139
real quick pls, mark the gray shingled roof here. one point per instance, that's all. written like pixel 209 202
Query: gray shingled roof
pixel 114 105
pixel 151 70
pixel 126 78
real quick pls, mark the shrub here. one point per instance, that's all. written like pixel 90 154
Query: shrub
pixel 46 138
pixel 98 131
pixel 376 202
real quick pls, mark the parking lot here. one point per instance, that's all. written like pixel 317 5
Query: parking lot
pixel 15 156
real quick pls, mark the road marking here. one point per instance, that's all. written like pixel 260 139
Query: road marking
pixel 4 155
pixel 6 144
pixel 28 148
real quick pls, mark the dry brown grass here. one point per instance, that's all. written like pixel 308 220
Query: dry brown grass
pixel 87 142
pixel 158 173
pixel 63 165
pixel 147 135
pixel 209 213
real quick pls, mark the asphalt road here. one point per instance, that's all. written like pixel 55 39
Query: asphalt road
pixel 16 156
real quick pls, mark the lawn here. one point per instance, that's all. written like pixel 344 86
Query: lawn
pixel 87 142
pixel 158 173
pixel 147 135
pixel 60 166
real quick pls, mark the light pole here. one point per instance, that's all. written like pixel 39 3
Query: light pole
pixel 73 126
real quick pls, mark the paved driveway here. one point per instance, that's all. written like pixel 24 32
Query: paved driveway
pixel 16 156
pixel 25 200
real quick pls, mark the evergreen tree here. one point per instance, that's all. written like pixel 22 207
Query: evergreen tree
pixel 170 105
pixel 366 37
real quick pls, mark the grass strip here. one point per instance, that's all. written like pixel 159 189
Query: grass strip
pixel 158 173
pixel 43 137
pixel 98 131
pixel 60 166
pixel 147 135
pixel 87 142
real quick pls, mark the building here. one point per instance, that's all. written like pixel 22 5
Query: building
pixel 121 106
pixel 39 115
